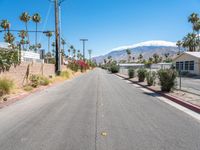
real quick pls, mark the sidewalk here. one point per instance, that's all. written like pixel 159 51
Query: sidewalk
pixel 185 99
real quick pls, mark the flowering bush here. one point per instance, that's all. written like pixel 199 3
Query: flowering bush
pixel 75 65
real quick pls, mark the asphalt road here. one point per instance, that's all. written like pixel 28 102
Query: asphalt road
pixel 96 111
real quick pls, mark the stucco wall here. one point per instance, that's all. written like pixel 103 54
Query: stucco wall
pixel 187 57
pixel 17 74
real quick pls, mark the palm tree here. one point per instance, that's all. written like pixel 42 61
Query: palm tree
pixel 140 57
pixel 37 19
pixel 189 41
pixel 128 51
pixel 196 27
pixel 90 53
pixel 9 38
pixel 69 50
pixel 25 17
pixel 22 34
pixel 179 44
pixel 53 50
pixel 5 25
pixel 49 35
pixel 74 53
pixel 193 18
pixel 156 58
pixel 63 43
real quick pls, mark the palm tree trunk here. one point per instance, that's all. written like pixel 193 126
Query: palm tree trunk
pixel 48 44
pixel 27 36
pixel 36 35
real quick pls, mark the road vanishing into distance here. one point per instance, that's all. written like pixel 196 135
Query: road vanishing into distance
pixel 96 111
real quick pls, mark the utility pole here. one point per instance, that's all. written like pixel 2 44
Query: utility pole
pixel 84 40
pixel 57 39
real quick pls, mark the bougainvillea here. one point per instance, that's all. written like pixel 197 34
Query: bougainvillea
pixel 76 65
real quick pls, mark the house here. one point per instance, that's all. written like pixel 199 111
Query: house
pixel 188 62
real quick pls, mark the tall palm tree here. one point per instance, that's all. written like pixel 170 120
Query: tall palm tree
pixel 49 34
pixel 196 27
pixel 179 44
pixel 53 50
pixel 25 17
pixel 69 50
pixel 5 25
pixel 63 43
pixel 37 19
pixel 90 53
pixel 9 38
pixel 140 57
pixel 193 18
pixel 22 34
pixel 128 52
pixel 74 53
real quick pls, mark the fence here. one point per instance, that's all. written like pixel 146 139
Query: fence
pixel 186 82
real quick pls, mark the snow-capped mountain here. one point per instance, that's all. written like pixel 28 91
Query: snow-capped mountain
pixel 147 49
pixel 147 43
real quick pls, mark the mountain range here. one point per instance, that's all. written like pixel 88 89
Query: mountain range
pixel 147 49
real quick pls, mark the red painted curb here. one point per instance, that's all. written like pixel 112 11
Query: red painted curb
pixel 179 101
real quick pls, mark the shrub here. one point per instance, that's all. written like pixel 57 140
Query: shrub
pixel 44 80
pixel 151 77
pixel 167 79
pixel 6 86
pixel 28 88
pixel 35 80
pixel 141 74
pixel 64 74
pixel 114 69
pixel 131 73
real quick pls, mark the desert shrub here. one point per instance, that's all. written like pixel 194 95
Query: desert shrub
pixel 64 74
pixel 114 69
pixel 35 80
pixel 28 88
pixel 131 73
pixel 6 86
pixel 151 77
pixel 141 74
pixel 44 80
pixel 167 79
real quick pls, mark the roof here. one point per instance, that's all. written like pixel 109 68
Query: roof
pixel 130 65
pixel 4 45
pixel 194 54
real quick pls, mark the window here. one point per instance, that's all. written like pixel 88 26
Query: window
pixel 181 65
pixel 186 65
pixel 177 65
pixel 191 66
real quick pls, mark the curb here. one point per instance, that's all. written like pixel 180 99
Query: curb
pixel 24 95
pixel 179 101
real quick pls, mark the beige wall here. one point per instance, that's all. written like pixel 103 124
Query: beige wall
pixel 17 74
pixel 187 57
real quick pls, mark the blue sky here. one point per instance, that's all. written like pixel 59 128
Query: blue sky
pixel 107 23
